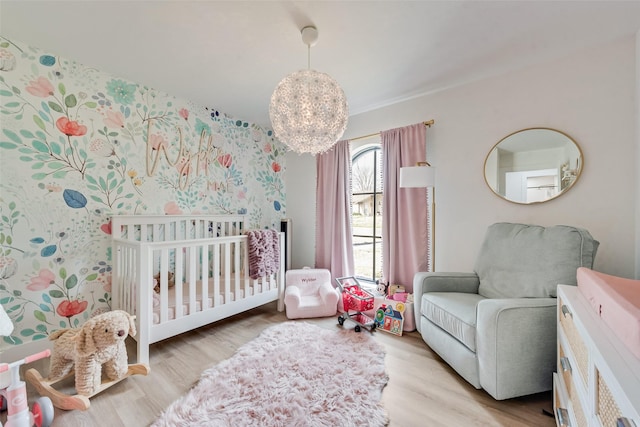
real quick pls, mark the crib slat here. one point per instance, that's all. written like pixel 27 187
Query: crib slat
pixel 216 275
pixel 178 276
pixel 204 276
pixel 192 279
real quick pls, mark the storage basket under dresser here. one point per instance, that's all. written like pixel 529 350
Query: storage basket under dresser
pixel 598 379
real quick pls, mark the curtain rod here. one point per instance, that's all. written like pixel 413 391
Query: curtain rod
pixel 427 124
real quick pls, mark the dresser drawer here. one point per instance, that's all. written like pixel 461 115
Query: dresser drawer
pixel 577 347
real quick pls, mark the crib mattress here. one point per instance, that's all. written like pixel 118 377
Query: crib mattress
pixel 189 308
pixel 617 301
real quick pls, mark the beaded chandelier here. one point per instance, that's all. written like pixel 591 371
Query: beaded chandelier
pixel 308 109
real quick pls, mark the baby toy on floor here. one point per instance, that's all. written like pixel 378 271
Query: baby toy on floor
pixel 99 342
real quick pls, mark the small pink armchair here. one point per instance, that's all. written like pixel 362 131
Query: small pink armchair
pixel 309 293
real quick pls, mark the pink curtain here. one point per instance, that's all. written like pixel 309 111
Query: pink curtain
pixel 404 210
pixel 334 238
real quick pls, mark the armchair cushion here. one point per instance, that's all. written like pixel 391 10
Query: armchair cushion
pixel 455 313
pixel 513 261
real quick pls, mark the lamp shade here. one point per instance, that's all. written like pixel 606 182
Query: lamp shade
pixel 308 111
pixel 417 177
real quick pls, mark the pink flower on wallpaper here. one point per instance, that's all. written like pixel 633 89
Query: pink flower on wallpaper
pixel 70 127
pixel 267 148
pixel 42 281
pixel 40 87
pixel 71 308
pixel 158 141
pixel 106 228
pixel 242 195
pixel 276 166
pixel 184 113
pixel 225 160
pixel 171 208
pixel 115 119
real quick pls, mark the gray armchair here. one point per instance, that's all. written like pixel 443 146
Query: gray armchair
pixel 497 326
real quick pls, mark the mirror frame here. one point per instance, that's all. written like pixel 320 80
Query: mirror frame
pixel 577 172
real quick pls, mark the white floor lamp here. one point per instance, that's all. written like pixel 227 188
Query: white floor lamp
pixel 423 176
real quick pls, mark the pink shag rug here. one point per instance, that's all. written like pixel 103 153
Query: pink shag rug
pixel 293 374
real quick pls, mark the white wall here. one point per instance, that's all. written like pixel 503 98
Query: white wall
pixel 637 174
pixel 589 96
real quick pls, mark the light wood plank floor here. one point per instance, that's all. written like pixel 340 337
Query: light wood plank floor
pixel 422 389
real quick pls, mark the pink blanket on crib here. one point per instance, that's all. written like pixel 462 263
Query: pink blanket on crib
pixel 264 252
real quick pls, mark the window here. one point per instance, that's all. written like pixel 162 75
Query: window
pixel 366 210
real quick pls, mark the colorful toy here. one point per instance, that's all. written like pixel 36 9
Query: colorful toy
pixel 15 396
pixel 389 317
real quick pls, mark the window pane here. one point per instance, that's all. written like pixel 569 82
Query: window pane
pixel 363 256
pixel 362 169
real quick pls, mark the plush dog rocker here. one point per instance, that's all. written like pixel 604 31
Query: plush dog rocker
pixel 99 342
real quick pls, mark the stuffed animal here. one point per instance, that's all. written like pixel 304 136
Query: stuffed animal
pixel 99 342
pixel 171 281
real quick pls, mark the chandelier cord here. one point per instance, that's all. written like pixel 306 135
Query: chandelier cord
pixel 308 57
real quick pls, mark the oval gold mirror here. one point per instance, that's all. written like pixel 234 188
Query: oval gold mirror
pixel 533 165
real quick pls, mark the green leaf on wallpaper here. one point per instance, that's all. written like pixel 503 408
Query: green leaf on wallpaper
pixel 96 199
pixel 26 133
pixel 91 104
pixel 71 282
pixel 62 89
pixel 46 298
pixel 83 154
pixel 12 340
pixel 71 101
pixel 120 205
pixel 12 104
pixel 4 44
pixel 12 136
pixel 3 301
pixel 4 144
pixel 103 183
pixel 41 328
pixel 39 176
pixel 27 332
pixel 113 133
pixel 55 165
pixel 38 121
pixel 91 180
pixel 128 196
pixel 18 319
pixel 55 148
pixel 18 117
pixel 39 315
pixel 120 190
pixel 16 90
pixel 92 277
pixel 38 337
pixel 63 273
pixel 44 307
pixel 55 293
pixel 43 116
pixel 40 146
pixel 55 106
pixel 5 92
pixel 36 166
pixel 113 184
pixel 59 174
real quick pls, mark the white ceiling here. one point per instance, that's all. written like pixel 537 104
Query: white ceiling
pixel 230 55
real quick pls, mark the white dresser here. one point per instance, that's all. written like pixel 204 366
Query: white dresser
pixel 598 379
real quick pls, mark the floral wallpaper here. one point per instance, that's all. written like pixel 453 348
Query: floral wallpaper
pixel 77 146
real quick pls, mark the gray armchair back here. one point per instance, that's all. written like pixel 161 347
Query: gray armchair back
pixel 496 326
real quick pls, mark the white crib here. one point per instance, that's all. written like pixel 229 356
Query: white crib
pixel 207 255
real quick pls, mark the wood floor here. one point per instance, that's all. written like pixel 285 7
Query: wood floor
pixel 422 389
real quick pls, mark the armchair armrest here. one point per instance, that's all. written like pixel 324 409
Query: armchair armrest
pixel 292 295
pixel 328 293
pixel 515 343
pixel 441 282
